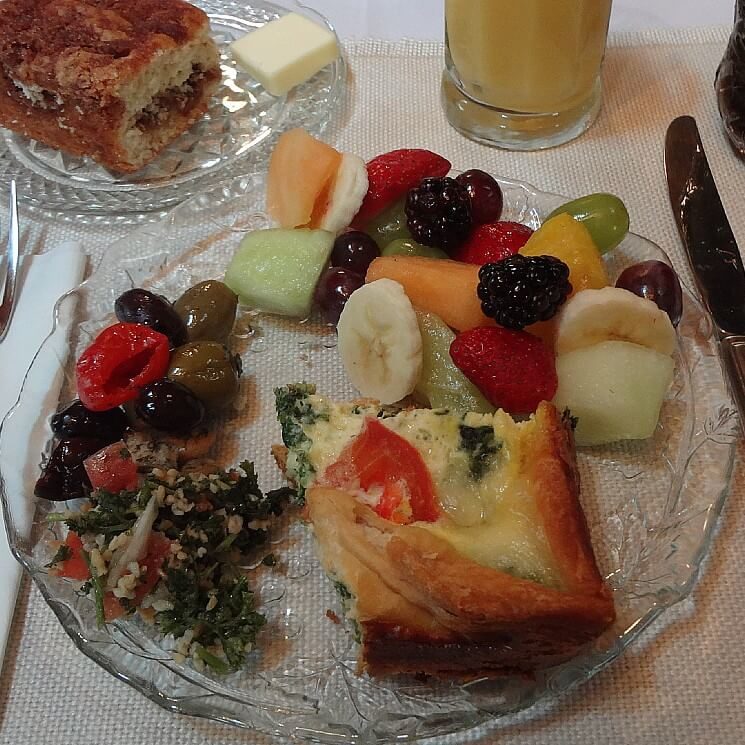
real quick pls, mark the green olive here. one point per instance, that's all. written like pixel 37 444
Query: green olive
pixel 208 370
pixel 208 310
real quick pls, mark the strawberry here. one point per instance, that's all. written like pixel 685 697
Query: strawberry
pixel 513 369
pixel 493 242
pixel 392 174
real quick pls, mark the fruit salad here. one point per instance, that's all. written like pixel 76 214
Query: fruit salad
pixel 434 296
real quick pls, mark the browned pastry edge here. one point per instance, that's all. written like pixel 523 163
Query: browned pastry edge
pixel 424 608
pixel 553 469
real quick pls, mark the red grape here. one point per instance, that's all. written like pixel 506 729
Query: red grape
pixel 485 193
pixel 355 251
pixel 333 291
pixel 655 281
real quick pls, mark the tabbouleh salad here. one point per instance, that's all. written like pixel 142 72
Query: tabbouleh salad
pixel 173 550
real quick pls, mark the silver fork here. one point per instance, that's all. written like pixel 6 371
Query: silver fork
pixel 11 270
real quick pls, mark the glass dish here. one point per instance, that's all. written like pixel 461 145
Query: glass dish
pixel 242 116
pixel 651 506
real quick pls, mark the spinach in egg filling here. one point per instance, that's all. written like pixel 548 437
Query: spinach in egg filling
pixel 294 412
pixel 482 447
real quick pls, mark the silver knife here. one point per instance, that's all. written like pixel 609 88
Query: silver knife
pixel 711 247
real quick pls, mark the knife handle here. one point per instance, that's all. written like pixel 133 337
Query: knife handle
pixel 733 354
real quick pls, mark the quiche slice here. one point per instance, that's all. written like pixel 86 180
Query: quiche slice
pixel 457 541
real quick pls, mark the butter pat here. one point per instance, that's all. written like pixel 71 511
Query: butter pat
pixel 285 52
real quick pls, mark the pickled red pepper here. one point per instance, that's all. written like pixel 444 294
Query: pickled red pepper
pixel 122 359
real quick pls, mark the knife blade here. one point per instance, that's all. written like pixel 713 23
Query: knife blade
pixel 712 251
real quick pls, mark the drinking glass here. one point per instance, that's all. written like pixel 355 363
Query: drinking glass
pixel 523 74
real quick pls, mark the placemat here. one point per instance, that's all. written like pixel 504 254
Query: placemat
pixel 682 682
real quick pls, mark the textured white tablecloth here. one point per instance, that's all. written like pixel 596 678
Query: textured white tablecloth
pixel 683 682
pixel 422 19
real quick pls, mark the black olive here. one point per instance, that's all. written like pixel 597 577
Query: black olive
pixel 149 309
pixel 64 475
pixel 208 310
pixel 169 406
pixel 77 421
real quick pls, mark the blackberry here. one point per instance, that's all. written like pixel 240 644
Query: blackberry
pixel 438 213
pixel 521 290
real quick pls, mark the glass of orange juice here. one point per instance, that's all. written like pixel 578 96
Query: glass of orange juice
pixel 523 74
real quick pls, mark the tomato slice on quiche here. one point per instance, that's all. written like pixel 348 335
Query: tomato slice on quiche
pixel 378 459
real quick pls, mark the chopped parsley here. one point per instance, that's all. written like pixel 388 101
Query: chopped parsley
pixel 233 621
pixel 96 587
pixel 112 514
pixel 64 552
pixel 480 443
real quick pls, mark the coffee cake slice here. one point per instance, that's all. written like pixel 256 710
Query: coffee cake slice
pixel 115 80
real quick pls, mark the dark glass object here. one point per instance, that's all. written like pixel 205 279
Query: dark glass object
pixel 730 83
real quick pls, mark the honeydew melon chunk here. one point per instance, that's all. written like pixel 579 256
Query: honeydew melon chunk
pixel 615 389
pixel 276 270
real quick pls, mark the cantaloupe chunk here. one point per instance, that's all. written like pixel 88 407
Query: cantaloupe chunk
pixel 440 286
pixel 301 170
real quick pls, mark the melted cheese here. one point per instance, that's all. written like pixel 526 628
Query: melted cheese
pixel 492 520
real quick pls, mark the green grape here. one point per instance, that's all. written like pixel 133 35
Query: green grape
pixel 389 225
pixel 409 247
pixel 604 216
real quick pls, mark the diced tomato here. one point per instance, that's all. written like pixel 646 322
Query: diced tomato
pixel 75 567
pixel 112 468
pixel 378 458
pixel 112 608
pixel 158 547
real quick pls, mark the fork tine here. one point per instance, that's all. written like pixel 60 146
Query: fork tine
pixel 9 290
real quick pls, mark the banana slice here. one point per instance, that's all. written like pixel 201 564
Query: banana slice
pixel 379 341
pixel 350 187
pixel 612 314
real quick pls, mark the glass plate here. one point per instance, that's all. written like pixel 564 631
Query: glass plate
pixel 241 116
pixel 651 506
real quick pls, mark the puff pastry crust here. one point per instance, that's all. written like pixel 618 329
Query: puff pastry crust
pixel 422 607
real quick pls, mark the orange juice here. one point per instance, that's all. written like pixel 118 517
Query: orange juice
pixel 535 56
pixel 523 74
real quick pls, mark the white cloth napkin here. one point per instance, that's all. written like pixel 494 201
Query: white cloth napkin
pixel 42 280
